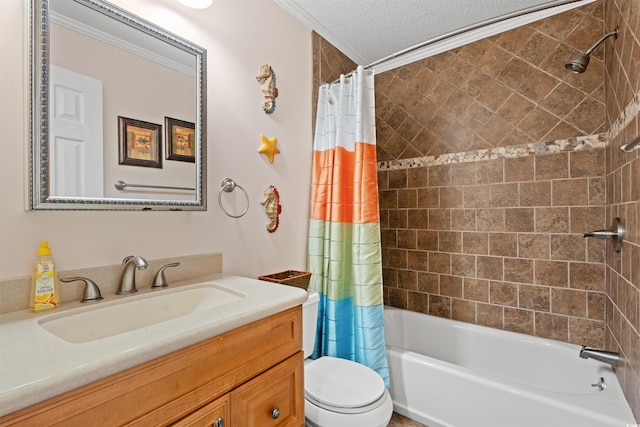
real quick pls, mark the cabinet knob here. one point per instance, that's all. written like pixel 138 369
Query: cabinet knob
pixel 219 422
pixel 275 413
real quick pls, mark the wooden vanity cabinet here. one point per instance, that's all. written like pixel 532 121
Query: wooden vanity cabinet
pixel 250 376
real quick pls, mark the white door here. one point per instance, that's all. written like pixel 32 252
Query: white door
pixel 75 139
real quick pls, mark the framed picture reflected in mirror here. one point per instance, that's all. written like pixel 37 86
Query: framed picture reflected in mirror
pixel 180 140
pixel 140 143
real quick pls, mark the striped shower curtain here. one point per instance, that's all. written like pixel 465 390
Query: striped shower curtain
pixel 344 253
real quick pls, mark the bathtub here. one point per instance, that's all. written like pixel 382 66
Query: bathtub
pixel 446 373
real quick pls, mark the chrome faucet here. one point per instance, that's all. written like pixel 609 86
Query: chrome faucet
pixel 610 357
pixel 128 278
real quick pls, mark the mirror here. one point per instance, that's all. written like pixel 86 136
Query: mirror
pixel 117 111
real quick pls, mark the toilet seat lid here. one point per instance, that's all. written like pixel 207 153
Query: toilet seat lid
pixel 336 383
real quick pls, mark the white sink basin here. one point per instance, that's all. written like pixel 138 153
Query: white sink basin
pixel 136 312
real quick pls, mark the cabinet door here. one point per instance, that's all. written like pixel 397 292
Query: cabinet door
pixel 274 398
pixel 214 414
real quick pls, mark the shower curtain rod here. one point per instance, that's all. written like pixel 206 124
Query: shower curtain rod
pixel 466 29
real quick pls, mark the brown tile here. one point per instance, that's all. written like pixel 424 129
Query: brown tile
pixel 463 174
pixel 515 108
pixel 589 277
pixel 463 310
pixel 586 332
pixel 533 297
pixel 397 298
pixel 538 86
pixel 596 305
pixel 408 280
pixel 406 239
pixel 417 301
pixel 439 219
pixel 407 198
pixel 451 286
pixel 517 320
pixel 476 196
pixel 515 72
pixel 440 263
pixel 503 195
pixel 451 197
pixel 519 169
pixel 398 219
pixel 538 123
pixel 519 220
pixel 476 289
pixel 503 293
pixel 490 220
pixel 533 246
pixel 428 197
pixel 552 166
pixel 428 283
pixel 570 192
pixel 551 273
pixel 463 265
pixel 570 247
pixel 518 270
pixel 536 193
pixel 475 243
pixel 427 240
pixel 415 177
pixel 395 258
pixel 586 163
pixel 489 315
pixel 489 267
pixel 439 176
pixel 569 302
pixel 463 219
pixel 552 326
pixel 450 241
pixel 417 260
pixel 418 218
pixel 503 244
pixel 552 220
pixel 585 219
pixel 489 172
pixel 440 306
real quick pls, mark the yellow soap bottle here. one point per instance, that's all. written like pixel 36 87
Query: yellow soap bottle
pixel 44 288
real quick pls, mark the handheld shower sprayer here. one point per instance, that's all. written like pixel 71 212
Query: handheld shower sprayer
pixel 578 63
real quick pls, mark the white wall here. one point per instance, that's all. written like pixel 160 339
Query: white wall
pixel 239 35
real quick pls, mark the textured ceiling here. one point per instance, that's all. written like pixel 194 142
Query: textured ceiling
pixel 368 31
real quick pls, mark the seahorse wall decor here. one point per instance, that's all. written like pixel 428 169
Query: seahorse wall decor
pixel 267 78
pixel 272 208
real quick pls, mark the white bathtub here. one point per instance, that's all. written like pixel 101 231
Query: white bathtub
pixel 446 373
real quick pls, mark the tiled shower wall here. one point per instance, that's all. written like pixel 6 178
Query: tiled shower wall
pixel 622 88
pixel 498 241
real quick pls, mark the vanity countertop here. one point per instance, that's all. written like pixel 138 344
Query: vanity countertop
pixel 36 365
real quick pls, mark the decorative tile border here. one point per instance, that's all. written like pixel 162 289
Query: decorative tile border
pixel 589 142
pixel 629 113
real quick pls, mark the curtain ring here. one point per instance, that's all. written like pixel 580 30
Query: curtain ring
pixel 228 185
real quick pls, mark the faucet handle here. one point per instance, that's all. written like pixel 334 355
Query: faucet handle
pixel 91 290
pixel 160 281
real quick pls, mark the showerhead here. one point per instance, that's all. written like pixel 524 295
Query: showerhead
pixel 578 63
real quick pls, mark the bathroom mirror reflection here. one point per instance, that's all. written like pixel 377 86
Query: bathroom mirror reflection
pixel 114 100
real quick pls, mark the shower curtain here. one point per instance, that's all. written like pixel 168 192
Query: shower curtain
pixel 344 254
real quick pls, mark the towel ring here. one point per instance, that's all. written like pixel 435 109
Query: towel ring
pixel 228 185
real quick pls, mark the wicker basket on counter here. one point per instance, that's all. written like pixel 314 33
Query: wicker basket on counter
pixel 299 279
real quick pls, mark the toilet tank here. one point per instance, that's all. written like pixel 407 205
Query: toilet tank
pixel 309 322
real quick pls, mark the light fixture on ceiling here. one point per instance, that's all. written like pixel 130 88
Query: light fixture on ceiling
pixel 197 4
pixel 579 62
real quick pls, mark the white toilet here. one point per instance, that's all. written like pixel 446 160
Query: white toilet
pixel 339 392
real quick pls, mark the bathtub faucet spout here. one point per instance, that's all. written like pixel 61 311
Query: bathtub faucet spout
pixel 610 357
